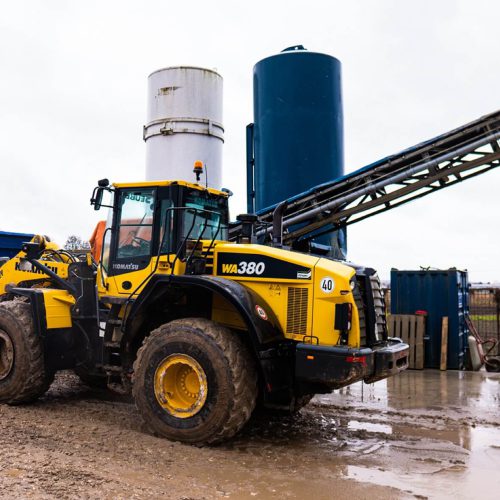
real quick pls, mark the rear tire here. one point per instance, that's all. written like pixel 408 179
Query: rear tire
pixel 23 374
pixel 214 368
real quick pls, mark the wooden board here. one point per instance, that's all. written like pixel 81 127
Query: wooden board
pixel 444 343
pixel 419 340
pixel 410 328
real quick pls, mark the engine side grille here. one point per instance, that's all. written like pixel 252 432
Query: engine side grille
pixel 296 319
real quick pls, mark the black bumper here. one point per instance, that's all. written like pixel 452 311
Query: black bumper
pixel 331 367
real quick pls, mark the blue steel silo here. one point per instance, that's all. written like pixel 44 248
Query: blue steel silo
pixel 296 141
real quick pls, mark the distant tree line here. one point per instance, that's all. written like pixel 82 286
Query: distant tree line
pixel 74 243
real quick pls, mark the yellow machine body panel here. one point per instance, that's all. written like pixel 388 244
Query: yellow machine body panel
pixel 301 290
pixel 132 283
pixel 326 296
pixel 58 308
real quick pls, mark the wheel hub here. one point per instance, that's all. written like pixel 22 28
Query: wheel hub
pixel 181 385
pixel 6 355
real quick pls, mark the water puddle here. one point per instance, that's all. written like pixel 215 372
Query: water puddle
pixel 432 468
pixel 428 434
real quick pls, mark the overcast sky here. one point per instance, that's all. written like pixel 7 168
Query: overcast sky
pixel 73 102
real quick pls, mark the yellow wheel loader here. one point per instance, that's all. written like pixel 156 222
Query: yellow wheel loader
pixel 199 329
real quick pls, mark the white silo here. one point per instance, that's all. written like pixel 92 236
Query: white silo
pixel 184 124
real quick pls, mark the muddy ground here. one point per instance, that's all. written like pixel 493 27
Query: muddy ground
pixel 420 435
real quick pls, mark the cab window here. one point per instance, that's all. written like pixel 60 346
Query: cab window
pixel 208 219
pixel 106 244
pixel 167 226
pixel 135 224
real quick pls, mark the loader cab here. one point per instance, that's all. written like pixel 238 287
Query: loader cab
pixel 153 219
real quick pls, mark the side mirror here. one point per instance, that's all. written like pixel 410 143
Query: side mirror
pixel 96 199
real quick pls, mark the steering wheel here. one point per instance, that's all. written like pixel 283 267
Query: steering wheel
pixel 139 241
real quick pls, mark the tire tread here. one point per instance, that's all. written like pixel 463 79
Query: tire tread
pixel 39 379
pixel 240 362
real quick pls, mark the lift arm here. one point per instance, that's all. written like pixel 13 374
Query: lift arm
pixel 455 156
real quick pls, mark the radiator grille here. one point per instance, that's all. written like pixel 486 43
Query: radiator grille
pixel 376 301
pixel 379 304
pixel 296 319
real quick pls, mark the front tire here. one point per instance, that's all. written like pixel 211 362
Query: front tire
pixel 23 374
pixel 195 381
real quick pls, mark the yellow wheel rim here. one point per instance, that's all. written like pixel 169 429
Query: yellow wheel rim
pixel 181 385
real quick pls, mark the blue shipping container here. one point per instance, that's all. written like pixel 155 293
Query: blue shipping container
pixel 10 243
pixel 440 294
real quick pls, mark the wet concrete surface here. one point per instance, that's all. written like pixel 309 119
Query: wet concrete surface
pixel 426 434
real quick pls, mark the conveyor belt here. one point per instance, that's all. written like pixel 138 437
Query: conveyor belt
pixel 453 157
